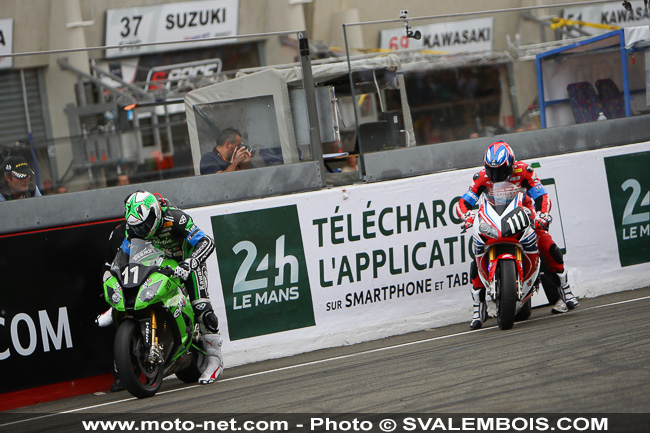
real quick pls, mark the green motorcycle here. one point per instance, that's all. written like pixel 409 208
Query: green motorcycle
pixel 156 330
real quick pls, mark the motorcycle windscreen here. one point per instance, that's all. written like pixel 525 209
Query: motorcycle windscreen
pixel 502 194
pixel 135 262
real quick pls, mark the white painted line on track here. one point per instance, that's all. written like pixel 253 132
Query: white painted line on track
pixel 321 361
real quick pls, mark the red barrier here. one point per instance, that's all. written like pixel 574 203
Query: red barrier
pixel 55 391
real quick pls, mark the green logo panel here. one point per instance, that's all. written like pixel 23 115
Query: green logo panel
pixel 628 179
pixel 264 278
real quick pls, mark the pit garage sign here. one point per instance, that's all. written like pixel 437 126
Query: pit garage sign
pixel 187 21
pixel 612 14
pixel 173 77
pixel 464 36
pixel 6 42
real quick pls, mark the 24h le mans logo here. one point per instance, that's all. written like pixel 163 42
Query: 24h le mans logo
pixel 264 278
pixel 628 179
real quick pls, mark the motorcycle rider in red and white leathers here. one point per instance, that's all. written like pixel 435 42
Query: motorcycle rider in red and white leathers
pixel 500 166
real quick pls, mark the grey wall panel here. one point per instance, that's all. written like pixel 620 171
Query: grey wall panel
pixel 431 158
pixel 103 204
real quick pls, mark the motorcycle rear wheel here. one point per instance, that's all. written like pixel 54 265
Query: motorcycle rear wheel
pixel 141 378
pixel 507 297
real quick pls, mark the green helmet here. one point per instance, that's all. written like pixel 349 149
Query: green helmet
pixel 142 214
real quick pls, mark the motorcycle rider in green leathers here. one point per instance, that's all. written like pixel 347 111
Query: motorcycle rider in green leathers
pixel 173 231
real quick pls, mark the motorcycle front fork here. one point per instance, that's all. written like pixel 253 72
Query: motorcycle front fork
pixel 155 354
pixel 492 287
pixel 519 282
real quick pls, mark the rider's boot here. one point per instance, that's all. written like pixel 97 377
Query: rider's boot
pixel 209 325
pixel 212 345
pixel 480 310
pixel 565 291
pixel 559 307
pixel 117 384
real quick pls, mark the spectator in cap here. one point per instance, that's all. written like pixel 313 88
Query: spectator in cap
pixel 18 180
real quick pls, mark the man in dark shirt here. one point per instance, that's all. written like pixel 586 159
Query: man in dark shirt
pixel 226 155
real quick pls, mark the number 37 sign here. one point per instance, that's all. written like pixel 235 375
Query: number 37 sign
pixel 187 21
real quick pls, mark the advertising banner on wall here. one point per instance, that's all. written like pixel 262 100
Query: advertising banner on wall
pixel 453 37
pixel 169 22
pixel 6 42
pixel 628 179
pixel 349 264
pixel 51 295
pixel 263 271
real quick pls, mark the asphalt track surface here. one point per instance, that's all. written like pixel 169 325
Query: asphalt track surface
pixel 593 360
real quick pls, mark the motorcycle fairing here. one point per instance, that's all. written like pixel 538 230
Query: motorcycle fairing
pixel 511 234
pixel 139 283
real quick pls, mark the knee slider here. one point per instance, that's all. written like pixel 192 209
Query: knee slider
pixel 205 316
pixel 201 305
pixel 556 253
pixel 210 322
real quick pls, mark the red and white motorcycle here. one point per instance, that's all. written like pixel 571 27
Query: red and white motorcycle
pixel 505 247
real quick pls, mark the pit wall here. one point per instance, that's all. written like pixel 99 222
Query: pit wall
pixel 334 267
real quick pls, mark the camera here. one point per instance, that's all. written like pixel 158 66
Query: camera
pixel 247 148
pixel 403 14
pixel 417 35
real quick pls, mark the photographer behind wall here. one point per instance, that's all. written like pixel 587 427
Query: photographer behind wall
pixel 230 154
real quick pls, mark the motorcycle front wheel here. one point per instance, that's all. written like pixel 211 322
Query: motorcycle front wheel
pixel 140 377
pixel 507 296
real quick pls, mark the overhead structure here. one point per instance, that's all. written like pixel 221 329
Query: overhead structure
pixel 268 106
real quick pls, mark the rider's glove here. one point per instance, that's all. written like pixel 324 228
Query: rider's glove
pixel 468 220
pixel 183 270
pixel 542 220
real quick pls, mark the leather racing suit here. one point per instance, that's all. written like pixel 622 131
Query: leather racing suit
pixel 523 175
pixel 182 240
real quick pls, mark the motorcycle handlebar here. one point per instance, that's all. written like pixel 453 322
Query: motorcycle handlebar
pixel 166 270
